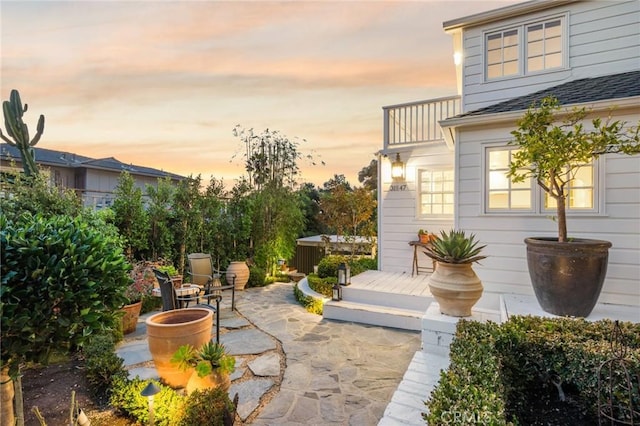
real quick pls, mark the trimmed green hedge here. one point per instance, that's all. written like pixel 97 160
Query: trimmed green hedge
pixel 494 367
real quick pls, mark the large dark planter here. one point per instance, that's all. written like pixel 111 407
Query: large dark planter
pixel 567 277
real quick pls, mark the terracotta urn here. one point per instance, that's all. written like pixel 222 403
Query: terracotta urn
pixel 169 330
pixel 130 317
pixel 456 287
pixel 241 272
pixel 213 380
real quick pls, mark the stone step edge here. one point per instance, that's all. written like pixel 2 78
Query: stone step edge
pixel 407 404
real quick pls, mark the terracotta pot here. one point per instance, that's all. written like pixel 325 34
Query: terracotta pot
pixel 169 330
pixel 130 317
pixel 7 417
pixel 567 278
pixel 213 380
pixel 241 271
pixel 424 238
pixel 456 287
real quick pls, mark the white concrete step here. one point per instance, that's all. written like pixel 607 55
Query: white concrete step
pixel 407 404
pixel 385 298
pixel 406 319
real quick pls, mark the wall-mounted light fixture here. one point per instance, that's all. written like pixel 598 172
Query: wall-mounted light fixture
pixel 397 169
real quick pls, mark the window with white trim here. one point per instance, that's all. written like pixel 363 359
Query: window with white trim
pixel 503 195
pixel 580 191
pixel 436 192
pixel 540 43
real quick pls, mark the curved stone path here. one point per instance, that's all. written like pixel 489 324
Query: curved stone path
pixel 294 367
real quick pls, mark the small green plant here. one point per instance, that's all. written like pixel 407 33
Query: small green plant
pixel 311 304
pixel 102 365
pixel 211 356
pixel 168 404
pixel 455 247
pixel 328 265
pixel 208 407
pixel 168 269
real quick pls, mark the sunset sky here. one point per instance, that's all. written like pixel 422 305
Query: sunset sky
pixel 163 83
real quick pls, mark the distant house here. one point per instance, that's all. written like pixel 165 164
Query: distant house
pixel 93 179
pixel 455 150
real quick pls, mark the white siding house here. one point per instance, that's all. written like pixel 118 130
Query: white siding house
pixel 586 53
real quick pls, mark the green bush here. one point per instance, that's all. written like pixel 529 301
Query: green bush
pixel 168 404
pixel 328 265
pixel 102 365
pixel 257 276
pixel 494 367
pixel 311 304
pixel 322 286
pixel 62 279
pixel 207 407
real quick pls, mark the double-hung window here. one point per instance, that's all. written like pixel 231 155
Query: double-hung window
pixel 436 192
pixel 502 195
pixel 525 49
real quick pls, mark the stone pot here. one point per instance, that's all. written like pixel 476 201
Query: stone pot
pixel 213 380
pixel 241 272
pixel 456 287
pixel 7 417
pixel 130 317
pixel 567 277
pixel 169 330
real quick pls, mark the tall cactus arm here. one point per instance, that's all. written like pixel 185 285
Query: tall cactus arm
pixel 39 130
pixel 13 110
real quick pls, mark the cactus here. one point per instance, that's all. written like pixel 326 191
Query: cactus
pixel 19 132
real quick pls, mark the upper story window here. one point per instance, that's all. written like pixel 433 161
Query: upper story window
pixel 436 192
pixel 540 43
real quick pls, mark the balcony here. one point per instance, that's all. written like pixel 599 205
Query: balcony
pixel 417 122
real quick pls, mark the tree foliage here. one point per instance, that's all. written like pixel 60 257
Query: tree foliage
pixel 130 216
pixel 553 153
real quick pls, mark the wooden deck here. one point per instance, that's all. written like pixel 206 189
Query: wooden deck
pixel 392 282
pixel 383 298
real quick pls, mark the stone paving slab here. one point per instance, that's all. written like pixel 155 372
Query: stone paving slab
pixel 247 341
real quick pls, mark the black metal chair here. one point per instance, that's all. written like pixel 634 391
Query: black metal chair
pixel 171 301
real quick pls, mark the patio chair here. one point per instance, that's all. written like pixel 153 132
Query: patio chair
pixel 206 276
pixel 171 301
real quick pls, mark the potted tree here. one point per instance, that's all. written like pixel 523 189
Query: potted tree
pixel 567 274
pixel 211 366
pixel 454 284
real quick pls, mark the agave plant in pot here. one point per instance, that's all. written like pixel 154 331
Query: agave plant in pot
pixel 211 366
pixel 555 150
pixel 454 284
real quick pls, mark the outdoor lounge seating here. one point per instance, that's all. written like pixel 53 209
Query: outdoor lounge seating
pixel 203 274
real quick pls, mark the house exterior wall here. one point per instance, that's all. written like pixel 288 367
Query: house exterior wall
pixel 398 219
pixel 601 38
pixel 100 184
pixel 505 269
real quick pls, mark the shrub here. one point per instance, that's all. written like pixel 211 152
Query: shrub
pixel 328 265
pixel 102 365
pixel 311 304
pixel 493 367
pixel 207 407
pixel 257 276
pixel 322 286
pixel 168 404
pixel 62 279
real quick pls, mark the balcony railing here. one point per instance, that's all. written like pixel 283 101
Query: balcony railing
pixel 417 122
